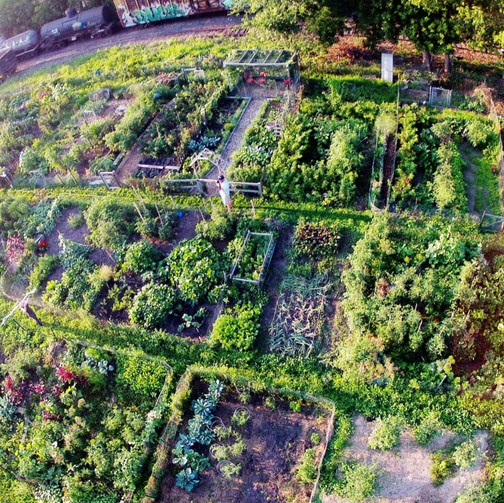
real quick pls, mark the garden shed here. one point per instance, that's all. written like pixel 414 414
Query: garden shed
pixel 274 70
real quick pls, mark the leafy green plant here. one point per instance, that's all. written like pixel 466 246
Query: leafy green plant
pixel 443 467
pixel 229 469
pixel 357 481
pixel 194 267
pixel 240 418
pixel 76 220
pixel 429 427
pixel 237 328
pixel 153 305
pixel 466 454
pixel 141 257
pixel 385 434
pixel 187 479
pixel 317 239
pixel 45 266
pixel 306 471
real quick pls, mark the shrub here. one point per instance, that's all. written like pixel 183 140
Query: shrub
pixel 442 467
pixel 220 226
pixel 466 454
pixel 307 469
pixel 76 220
pixel 110 222
pixel 385 434
pixel 237 328
pixel 153 305
pixel 194 267
pixel 46 265
pixel 357 482
pixel 430 426
pixel 141 257
pixel 141 377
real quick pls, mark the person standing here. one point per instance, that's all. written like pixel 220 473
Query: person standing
pixel 225 192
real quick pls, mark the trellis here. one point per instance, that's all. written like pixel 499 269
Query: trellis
pixel 258 66
pixel 265 263
pixel 199 185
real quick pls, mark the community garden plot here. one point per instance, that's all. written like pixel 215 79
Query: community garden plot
pixel 76 120
pixel 258 446
pixel 68 403
pixel 408 472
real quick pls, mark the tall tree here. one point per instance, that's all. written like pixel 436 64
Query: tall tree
pixel 323 18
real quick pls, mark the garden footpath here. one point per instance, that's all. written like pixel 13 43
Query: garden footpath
pixel 238 136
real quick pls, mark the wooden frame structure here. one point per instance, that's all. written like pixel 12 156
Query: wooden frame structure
pixel 265 263
pixel 280 61
pixel 198 184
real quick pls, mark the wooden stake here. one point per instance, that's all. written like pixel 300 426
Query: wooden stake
pixel 139 212
pixel 159 215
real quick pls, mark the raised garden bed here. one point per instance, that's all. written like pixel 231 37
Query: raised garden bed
pixel 258 442
pixel 254 258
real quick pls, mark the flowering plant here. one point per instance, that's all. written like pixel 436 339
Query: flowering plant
pixel 43 246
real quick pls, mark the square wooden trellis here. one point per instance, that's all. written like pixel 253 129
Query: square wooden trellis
pixel 265 263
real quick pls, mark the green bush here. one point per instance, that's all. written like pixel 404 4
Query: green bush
pixel 430 426
pixel 109 222
pixel 153 305
pixel 442 467
pixel 45 266
pixel 141 257
pixel 237 328
pixel 386 433
pixel 306 472
pixel 220 226
pixel 357 481
pixel 466 454
pixel 195 267
pixel 76 220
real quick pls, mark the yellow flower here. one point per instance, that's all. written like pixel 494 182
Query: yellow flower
pixel 407 259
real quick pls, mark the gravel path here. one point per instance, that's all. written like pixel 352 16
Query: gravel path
pixel 203 26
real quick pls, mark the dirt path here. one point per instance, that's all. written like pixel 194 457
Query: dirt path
pixel 470 180
pixel 238 136
pixel 204 26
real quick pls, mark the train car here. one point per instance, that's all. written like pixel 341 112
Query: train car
pixel 24 44
pixel 141 12
pixel 8 63
pixel 91 22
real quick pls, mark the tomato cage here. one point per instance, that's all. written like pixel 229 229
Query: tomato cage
pixel 254 258
pixel 268 73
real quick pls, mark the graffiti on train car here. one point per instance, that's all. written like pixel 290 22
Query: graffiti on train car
pixel 160 13
pixel 161 10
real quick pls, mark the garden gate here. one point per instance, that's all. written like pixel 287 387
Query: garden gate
pixel 440 97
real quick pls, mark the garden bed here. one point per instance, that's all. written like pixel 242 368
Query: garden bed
pixel 404 472
pixel 72 402
pixel 274 430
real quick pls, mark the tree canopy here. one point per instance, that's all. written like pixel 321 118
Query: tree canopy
pixel 433 26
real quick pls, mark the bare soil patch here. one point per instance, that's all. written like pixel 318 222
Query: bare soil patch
pixel 404 472
pixel 275 441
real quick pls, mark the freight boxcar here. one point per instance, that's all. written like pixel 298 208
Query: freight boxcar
pixel 91 22
pixel 8 63
pixel 140 12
